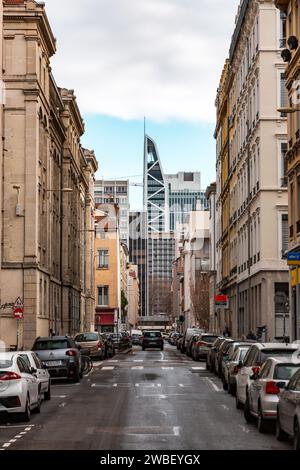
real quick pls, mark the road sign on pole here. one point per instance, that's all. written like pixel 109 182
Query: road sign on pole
pixel 19 309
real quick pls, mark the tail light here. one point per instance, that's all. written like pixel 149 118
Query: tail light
pixel 71 353
pixel 10 376
pixel 255 370
pixel 202 343
pixel 99 345
pixel 272 389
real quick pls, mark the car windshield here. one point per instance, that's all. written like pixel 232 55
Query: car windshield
pixel 152 334
pixel 5 363
pixel 209 339
pixel 285 371
pixel 86 337
pixel 44 345
pixel 267 353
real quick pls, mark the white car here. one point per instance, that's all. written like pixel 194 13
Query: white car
pixel 254 359
pixel 265 389
pixel 43 376
pixel 19 387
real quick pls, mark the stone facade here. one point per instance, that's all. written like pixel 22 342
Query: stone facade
pixel 48 188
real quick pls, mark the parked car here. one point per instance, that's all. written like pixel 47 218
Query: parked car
pixel 180 343
pixel 119 340
pixel 233 367
pixel 227 357
pixel 42 374
pixel 202 346
pixel 288 412
pixel 187 336
pixel 173 338
pixel 152 339
pixel 210 360
pixel 109 347
pixel 19 387
pixel 60 355
pixel 264 390
pixel 189 345
pixel 222 352
pixel 91 344
pixel 256 356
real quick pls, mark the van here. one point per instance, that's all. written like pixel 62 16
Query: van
pixel 189 333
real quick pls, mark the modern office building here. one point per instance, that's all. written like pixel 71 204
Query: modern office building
pixel 116 192
pixel 138 253
pixel 168 200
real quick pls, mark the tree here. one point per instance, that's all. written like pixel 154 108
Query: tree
pixel 200 299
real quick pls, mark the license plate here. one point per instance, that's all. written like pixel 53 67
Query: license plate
pixel 53 363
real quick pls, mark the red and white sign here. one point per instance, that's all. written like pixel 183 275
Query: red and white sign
pixel 19 309
pixel 222 301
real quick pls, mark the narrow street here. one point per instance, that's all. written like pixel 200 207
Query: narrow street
pixel 141 400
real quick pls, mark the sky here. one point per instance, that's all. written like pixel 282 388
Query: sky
pixel 161 59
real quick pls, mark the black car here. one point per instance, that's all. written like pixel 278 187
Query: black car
pixel 152 339
pixel 120 341
pixel 60 355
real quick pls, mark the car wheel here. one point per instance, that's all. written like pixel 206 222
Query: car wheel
pixel 262 424
pixel 27 414
pixel 207 366
pixel 162 348
pixel 247 413
pixel 225 385
pixel 281 435
pixel 143 349
pixel 37 409
pixel 296 440
pixel 76 378
pixel 230 389
pixel 47 395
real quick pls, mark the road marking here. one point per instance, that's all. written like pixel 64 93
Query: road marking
pixel 20 426
pixel 7 444
pixel 97 364
pixel 225 407
pixel 18 437
pixel 108 368
pixel 198 368
pixel 137 385
pixel 93 385
pixel 137 368
pixel 176 430
pixel 112 360
pixel 62 405
pixel 162 356
pixel 214 386
pixel 244 429
pixel 12 441
pixel 162 397
pixel 59 396
pixel 115 385
pixel 167 368
pixel 138 360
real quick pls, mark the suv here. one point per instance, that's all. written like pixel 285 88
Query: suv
pixel 152 339
pixel 254 359
pixel 60 355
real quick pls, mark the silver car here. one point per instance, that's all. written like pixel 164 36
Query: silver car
pixel 288 412
pixel 233 366
pixel 264 390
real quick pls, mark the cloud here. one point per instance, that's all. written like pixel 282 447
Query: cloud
pixel 131 58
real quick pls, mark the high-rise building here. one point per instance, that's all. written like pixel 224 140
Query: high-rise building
pixel 115 192
pixel 138 253
pixel 168 199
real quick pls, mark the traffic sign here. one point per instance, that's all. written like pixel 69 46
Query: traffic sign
pixel 18 309
pixel 293 259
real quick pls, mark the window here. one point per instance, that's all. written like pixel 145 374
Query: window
pixel 103 295
pixel 283 163
pixel 282 38
pixel 284 234
pixel 283 94
pixel 103 262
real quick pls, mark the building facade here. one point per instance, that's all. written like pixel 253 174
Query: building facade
pixel 289 11
pixel 48 189
pixel 116 192
pixel 251 176
pixel 138 242
pixel 211 197
pixel 133 295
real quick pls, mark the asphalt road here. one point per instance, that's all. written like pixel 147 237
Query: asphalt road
pixel 148 400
